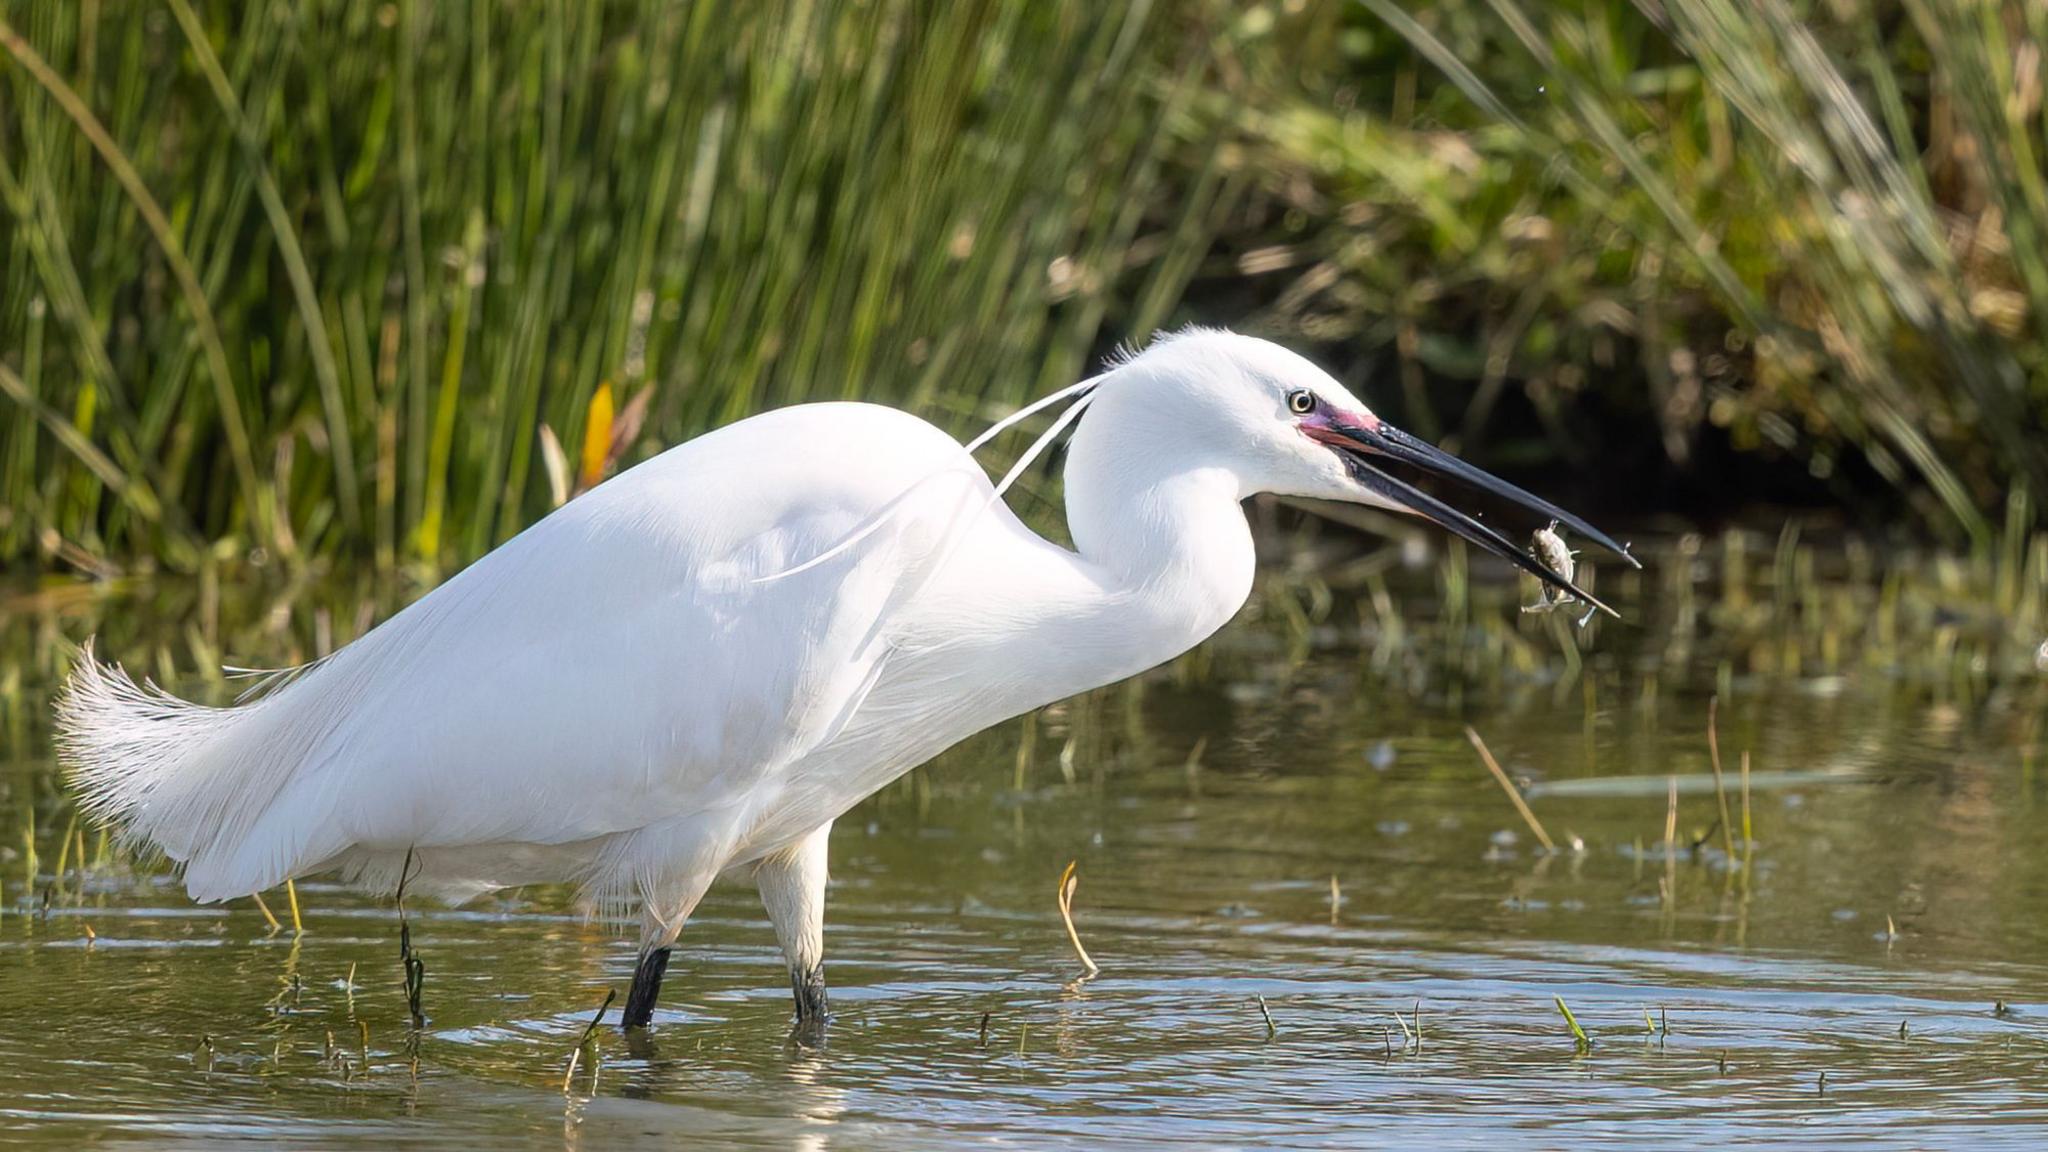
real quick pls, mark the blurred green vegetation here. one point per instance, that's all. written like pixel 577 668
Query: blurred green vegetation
pixel 1810 231
pixel 310 278
pixel 388 280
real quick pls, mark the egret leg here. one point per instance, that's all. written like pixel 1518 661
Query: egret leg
pixel 792 884
pixel 663 911
pixel 646 987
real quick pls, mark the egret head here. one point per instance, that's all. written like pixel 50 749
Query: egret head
pixel 1280 424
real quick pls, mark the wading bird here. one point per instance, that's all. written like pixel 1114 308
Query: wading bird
pixel 693 669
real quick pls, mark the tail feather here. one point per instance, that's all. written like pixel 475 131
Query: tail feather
pixel 185 778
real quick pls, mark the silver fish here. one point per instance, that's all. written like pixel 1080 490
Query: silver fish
pixel 1549 547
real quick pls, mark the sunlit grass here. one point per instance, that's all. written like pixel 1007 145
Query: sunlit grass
pixel 1812 232
pixel 309 279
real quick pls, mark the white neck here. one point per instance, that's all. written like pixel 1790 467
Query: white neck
pixel 1168 538
pixel 1177 546
pixel 1162 563
pixel 1163 558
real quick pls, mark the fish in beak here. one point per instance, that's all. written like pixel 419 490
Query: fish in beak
pixel 1364 441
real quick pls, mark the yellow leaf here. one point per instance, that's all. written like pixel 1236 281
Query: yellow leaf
pixel 597 437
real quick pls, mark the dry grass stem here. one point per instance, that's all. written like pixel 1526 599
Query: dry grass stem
pixel 268 916
pixel 1720 788
pixel 1748 840
pixel 1514 794
pixel 1671 843
pixel 1411 1029
pixel 1069 881
pixel 583 1041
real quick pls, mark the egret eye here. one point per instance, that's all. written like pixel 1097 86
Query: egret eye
pixel 1301 401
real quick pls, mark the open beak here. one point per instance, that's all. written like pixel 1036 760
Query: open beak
pixel 1362 441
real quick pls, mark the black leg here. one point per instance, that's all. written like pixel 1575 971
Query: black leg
pixel 809 988
pixel 646 986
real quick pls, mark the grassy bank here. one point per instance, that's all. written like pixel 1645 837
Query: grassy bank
pixel 389 280
pixel 1613 231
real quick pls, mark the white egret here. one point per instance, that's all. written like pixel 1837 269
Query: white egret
pixel 693 669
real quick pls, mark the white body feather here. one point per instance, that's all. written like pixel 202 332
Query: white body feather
pixel 662 680
pixel 657 683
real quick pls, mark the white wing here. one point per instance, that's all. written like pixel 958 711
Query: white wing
pixel 618 665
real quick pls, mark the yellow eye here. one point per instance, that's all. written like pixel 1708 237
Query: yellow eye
pixel 1301 401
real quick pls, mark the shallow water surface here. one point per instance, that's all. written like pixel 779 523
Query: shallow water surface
pixel 1292 825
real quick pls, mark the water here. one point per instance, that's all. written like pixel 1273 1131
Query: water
pixel 1870 967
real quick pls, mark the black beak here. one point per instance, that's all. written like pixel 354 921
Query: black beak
pixel 1359 445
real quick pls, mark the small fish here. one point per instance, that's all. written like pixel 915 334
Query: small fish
pixel 1549 547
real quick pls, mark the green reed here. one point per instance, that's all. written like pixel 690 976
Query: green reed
pixel 1580 1041
pixel 309 279
pixel 1812 232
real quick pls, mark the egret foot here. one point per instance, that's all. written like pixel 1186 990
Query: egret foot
pixel 792 884
pixel 809 987
pixel 646 987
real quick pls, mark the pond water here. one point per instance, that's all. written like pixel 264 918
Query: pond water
pixel 1319 919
